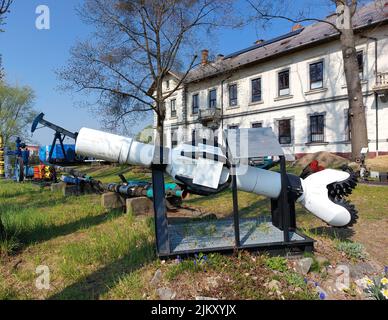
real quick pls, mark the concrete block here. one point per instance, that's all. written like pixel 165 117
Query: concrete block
pixel 57 186
pixel 112 200
pixel 69 190
pixel 87 189
pixel 140 206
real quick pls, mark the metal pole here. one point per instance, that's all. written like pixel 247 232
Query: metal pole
pixel 235 208
pixel 284 208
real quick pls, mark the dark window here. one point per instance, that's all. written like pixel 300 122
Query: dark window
pixel 195 103
pixel 233 95
pixel 193 136
pixel 285 131
pixel 168 84
pixel 174 138
pixel 257 125
pixel 317 128
pixel 233 127
pixel 360 61
pixel 173 108
pixel 316 75
pixel 284 83
pixel 256 90
pixel 213 98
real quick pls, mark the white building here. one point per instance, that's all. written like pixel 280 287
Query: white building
pixel 294 83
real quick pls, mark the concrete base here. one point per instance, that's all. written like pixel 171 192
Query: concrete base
pixel 112 200
pixel 57 186
pixel 69 190
pixel 140 206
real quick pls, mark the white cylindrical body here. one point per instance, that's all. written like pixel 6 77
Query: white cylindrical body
pixel 114 148
pixel 259 181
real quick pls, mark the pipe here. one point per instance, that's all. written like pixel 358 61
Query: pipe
pixel 314 192
pixel 114 148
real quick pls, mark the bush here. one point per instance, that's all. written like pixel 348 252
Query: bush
pixel 277 263
pixel 351 249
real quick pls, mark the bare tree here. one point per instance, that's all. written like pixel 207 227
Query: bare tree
pixel 342 23
pixel 136 44
pixel 4 9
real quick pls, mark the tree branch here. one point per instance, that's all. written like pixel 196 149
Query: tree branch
pixel 269 17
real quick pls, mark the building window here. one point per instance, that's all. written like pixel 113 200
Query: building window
pixel 284 131
pixel 173 108
pixel 193 136
pixel 360 61
pixel 317 128
pixel 167 84
pixel 195 103
pixel 284 83
pixel 213 98
pixel 233 127
pixel 174 138
pixel 256 90
pixel 233 95
pixel 257 125
pixel 316 75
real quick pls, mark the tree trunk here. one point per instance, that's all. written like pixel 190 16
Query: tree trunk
pixel 160 117
pixel 357 116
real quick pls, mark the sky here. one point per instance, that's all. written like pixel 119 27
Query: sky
pixel 31 56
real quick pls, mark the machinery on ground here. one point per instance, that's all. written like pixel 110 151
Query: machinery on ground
pixel 127 188
pixel 206 168
pixel 139 188
pixel 23 169
pixel 62 153
pixel 205 176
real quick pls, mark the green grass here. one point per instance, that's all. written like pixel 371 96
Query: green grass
pixel 75 237
pixel 277 263
pixel 93 253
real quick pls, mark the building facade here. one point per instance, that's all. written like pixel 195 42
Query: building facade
pixel 294 84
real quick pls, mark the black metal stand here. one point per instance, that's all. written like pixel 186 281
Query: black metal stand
pixel 235 209
pixel 57 136
pixel 161 222
pixel 283 220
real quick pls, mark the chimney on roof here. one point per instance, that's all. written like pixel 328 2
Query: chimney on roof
pixel 259 41
pixel 220 57
pixel 296 27
pixel 205 57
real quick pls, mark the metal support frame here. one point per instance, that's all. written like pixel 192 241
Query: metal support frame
pixel 283 215
pixel 159 201
pixel 235 208
pixel 57 136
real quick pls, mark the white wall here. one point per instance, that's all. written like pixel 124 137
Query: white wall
pixel 331 100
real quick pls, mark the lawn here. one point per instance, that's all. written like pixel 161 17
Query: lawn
pixel 93 253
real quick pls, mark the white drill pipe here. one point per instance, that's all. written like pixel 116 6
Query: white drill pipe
pixel 114 148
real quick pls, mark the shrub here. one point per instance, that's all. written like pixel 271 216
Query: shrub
pixel 351 249
pixel 277 263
